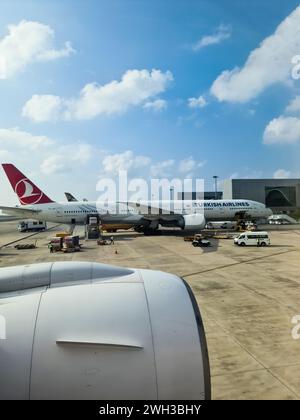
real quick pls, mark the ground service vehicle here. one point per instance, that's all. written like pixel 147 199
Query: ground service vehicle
pixel 253 238
pixel 201 242
pixel 31 225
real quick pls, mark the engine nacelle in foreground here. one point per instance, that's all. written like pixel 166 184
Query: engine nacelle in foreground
pixel 92 331
pixel 195 221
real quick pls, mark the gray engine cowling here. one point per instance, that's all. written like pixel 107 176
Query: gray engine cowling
pixel 92 331
pixel 195 221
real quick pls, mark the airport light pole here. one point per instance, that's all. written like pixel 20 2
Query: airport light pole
pixel 215 177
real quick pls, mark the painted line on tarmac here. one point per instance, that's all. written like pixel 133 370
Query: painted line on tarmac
pixel 29 236
pixel 238 263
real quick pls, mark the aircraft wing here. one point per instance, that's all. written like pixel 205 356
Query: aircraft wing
pixel 142 208
pixel 148 210
pixel 19 211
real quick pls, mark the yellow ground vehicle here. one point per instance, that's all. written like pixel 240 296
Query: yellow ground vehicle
pixel 115 227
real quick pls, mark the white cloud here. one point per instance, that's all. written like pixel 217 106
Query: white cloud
pixel 145 167
pixel 16 138
pixel 199 102
pixel 39 156
pixel 126 161
pixel 157 105
pixel 135 88
pixel 43 108
pixel 28 42
pixel 50 155
pixel 282 130
pixel 223 32
pixel 189 164
pixel 66 158
pixel 294 105
pixel 281 173
pixel 53 54
pixel 162 169
pixel 245 173
pixel 268 64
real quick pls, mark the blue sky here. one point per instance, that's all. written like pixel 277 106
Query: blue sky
pixel 177 122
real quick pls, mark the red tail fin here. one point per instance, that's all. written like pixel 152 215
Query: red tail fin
pixel 25 189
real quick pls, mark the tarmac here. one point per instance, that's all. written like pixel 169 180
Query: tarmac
pixel 247 298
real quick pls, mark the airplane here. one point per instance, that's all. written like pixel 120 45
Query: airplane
pixel 110 227
pixel 70 197
pixel 145 216
pixel 34 203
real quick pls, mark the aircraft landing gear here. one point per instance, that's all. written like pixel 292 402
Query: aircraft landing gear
pixel 150 229
pixel 139 229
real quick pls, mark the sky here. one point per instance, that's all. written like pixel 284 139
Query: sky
pixel 172 88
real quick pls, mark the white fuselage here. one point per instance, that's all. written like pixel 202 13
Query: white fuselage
pixel 77 212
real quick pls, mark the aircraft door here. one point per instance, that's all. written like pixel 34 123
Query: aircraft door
pixel 59 212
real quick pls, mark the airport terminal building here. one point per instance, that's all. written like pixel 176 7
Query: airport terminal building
pixel 281 195
pixel 206 195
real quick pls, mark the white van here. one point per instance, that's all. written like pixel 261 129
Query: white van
pixel 31 226
pixel 253 238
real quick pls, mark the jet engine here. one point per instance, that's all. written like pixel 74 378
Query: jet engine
pixel 80 330
pixel 195 221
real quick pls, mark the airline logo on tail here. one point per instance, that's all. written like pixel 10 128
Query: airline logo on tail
pixel 25 189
